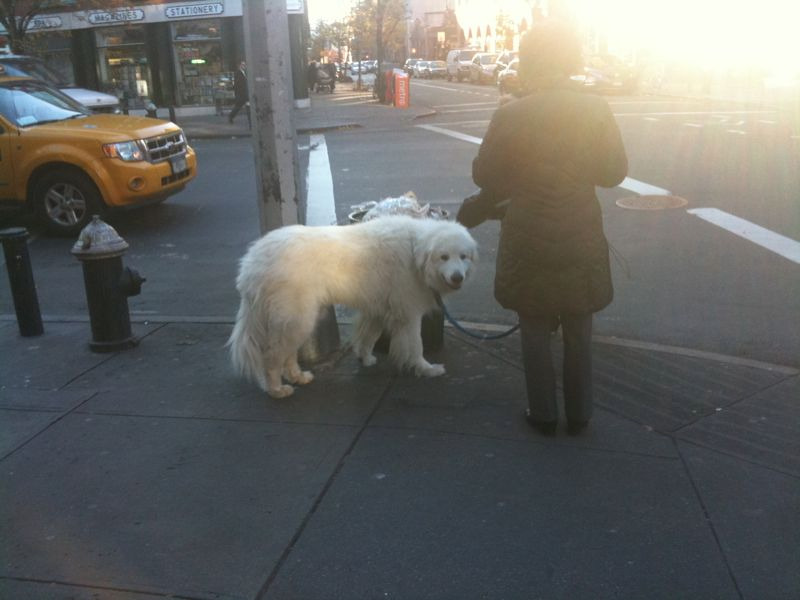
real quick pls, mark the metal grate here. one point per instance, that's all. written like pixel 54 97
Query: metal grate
pixel 162 147
pixel 175 177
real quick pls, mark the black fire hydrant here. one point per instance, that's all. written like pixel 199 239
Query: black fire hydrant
pixel 108 285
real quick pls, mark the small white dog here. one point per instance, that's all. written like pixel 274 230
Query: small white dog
pixel 389 269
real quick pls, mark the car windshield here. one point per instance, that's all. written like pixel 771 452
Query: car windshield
pixel 22 67
pixel 488 59
pixel 27 103
pixel 438 63
pixel 467 54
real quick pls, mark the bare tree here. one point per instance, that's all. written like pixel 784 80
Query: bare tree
pixel 17 16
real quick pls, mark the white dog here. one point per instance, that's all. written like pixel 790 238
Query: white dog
pixel 389 269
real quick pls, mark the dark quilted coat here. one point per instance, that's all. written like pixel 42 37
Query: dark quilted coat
pixel 547 152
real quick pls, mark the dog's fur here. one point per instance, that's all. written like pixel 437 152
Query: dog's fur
pixel 388 269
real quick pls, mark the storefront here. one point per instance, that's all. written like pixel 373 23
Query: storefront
pixel 171 53
pixel 197 47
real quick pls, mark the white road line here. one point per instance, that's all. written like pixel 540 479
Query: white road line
pixel 474 122
pixel 454 134
pixel 696 112
pixel 737 131
pixel 696 125
pixel 321 205
pixel 650 119
pixel 640 102
pixel 629 183
pixel 774 242
pixel 642 188
pixel 766 122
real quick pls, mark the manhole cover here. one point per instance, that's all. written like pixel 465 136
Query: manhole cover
pixel 652 202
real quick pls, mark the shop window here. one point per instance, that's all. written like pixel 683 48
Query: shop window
pixel 124 70
pixel 55 49
pixel 198 56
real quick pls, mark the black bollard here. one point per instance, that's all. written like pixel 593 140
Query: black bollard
pixel 20 275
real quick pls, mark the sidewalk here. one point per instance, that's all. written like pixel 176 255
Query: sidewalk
pixel 346 107
pixel 155 472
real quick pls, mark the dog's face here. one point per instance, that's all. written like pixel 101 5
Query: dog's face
pixel 449 258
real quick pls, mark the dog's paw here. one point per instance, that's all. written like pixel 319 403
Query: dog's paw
pixel 430 370
pixel 282 391
pixel 368 360
pixel 302 378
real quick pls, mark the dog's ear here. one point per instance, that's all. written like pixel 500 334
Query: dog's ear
pixel 410 194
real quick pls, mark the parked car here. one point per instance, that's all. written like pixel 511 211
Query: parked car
pixel 608 74
pixel 421 69
pixel 31 66
pixel 482 68
pixel 458 62
pixel 508 78
pixel 437 69
pixel 66 163
pixel 408 67
pixel 503 60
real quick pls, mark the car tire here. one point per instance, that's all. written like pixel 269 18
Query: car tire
pixel 64 201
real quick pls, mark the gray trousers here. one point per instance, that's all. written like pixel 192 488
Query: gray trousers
pixel 540 375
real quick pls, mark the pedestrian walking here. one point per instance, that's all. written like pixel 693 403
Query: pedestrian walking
pixel 330 69
pixel 311 75
pixel 241 93
pixel 543 154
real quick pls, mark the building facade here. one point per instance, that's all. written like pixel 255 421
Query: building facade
pixel 173 53
pixel 437 26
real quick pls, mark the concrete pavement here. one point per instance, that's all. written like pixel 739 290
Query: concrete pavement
pixel 155 472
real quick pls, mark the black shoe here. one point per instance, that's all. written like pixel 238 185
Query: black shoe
pixel 576 427
pixel 547 428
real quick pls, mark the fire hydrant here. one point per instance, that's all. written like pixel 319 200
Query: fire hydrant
pixel 108 285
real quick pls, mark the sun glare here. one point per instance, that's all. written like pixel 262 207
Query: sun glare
pixel 711 34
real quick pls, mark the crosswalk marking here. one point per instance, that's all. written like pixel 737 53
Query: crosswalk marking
pixel 629 183
pixel 774 242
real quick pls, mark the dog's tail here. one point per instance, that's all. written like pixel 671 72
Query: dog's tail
pixel 244 347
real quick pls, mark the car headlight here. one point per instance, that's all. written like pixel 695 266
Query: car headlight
pixel 128 151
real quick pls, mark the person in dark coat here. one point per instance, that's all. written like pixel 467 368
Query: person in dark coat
pixel 330 69
pixel 240 92
pixel 311 75
pixel 542 156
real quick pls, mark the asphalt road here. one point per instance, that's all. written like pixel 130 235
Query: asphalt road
pixel 679 279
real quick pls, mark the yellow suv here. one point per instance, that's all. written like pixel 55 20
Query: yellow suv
pixel 66 164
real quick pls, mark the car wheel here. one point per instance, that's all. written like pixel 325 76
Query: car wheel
pixel 65 200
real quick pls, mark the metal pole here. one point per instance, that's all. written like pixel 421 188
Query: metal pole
pixel 269 75
pixel 20 276
pixel 298 51
pixel 266 37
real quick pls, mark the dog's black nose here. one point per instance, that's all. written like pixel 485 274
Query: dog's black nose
pixel 456 277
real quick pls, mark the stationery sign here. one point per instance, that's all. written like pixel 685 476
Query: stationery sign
pixel 194 10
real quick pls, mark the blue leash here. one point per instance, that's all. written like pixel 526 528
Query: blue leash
pixel 479 336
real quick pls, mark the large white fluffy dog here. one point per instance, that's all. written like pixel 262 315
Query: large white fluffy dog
pixel 389 269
